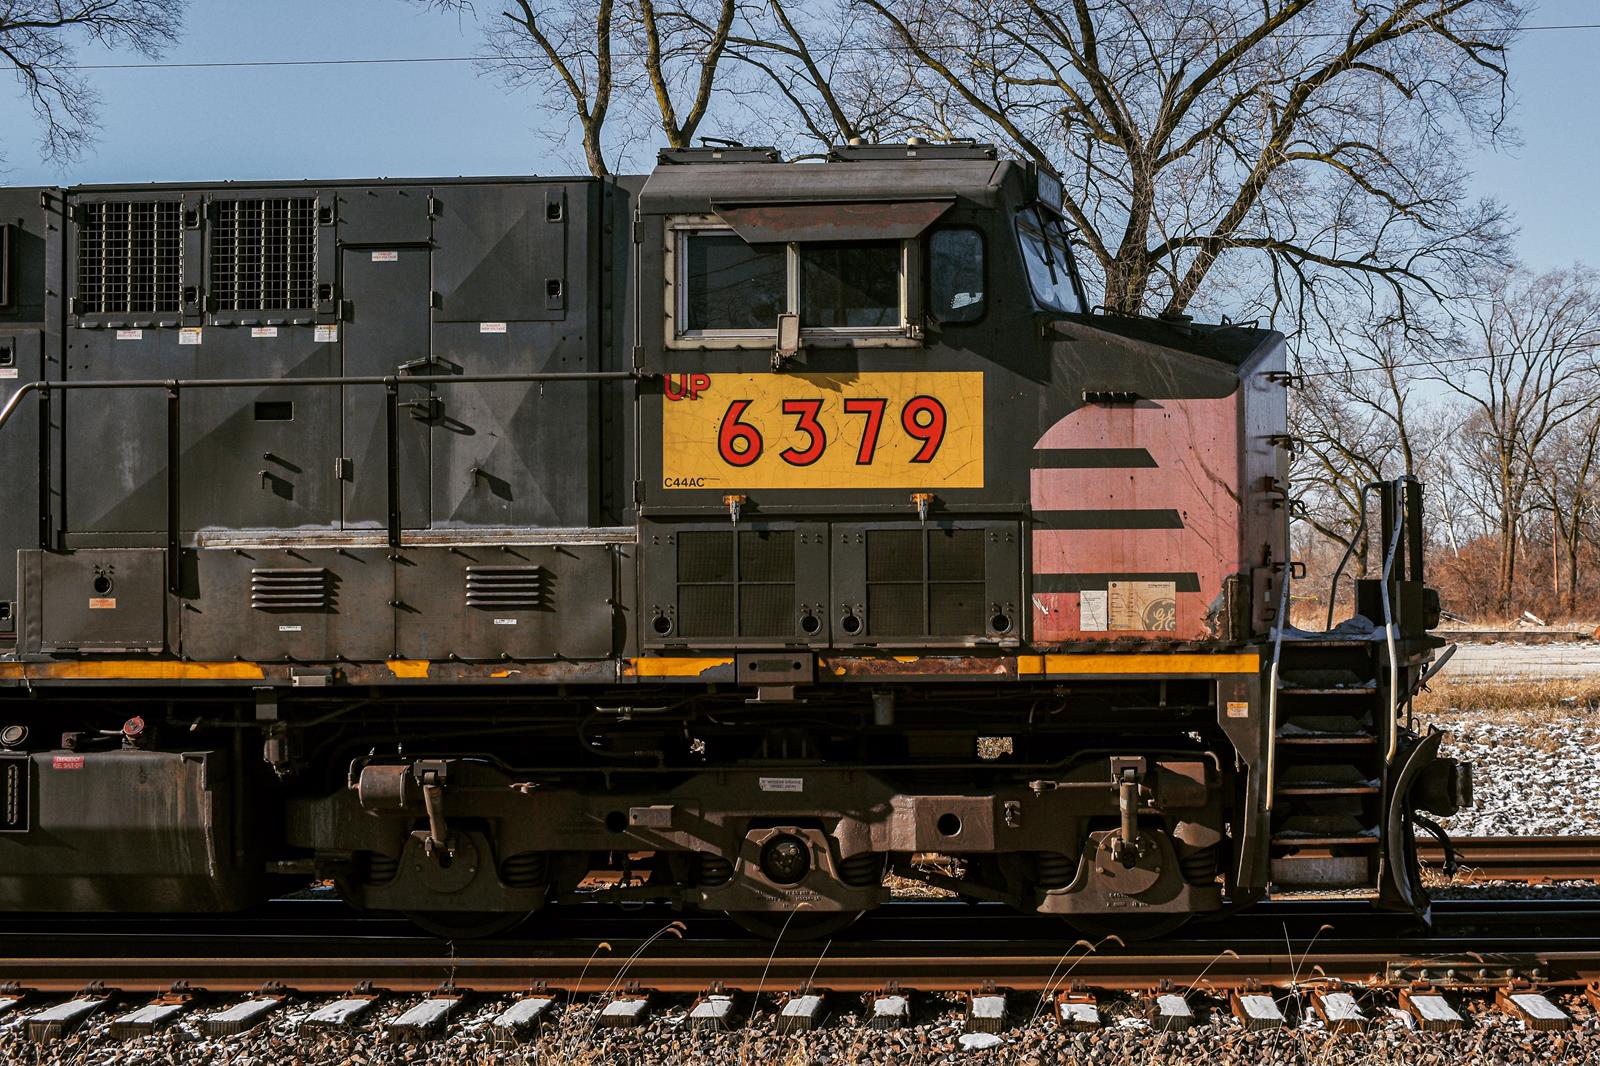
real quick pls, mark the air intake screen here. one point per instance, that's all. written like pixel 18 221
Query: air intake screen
pixel 130 257
pixel 736 583
pixel 264 254
pixel 307 588
pixel 925 582
pixel 510 588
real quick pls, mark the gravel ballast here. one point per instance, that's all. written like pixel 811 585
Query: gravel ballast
pixel 936 1036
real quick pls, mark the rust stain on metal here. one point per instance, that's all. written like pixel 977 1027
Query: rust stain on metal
pixel 923 666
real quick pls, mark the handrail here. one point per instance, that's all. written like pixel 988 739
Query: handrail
pixel 1349 550
pixel 262 383
pixel 1388 622
pixel 174 388
pixel 1272 684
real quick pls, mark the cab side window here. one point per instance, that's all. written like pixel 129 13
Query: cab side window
pixel 853 285
pixel 727 284
pixel 955 275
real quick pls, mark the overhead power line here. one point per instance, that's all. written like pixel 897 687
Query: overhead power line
pixel 423 60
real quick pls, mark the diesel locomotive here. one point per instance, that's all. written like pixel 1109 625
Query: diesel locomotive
pixel 731 537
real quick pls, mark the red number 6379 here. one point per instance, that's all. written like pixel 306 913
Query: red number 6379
pixel 922 418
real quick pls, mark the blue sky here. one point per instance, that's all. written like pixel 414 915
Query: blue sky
pixel 445 119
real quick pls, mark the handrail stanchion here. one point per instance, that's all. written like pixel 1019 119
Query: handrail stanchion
pixel 174 499
pixel 391 421
pixel 45 520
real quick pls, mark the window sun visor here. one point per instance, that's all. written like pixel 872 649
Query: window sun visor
pixel 872 221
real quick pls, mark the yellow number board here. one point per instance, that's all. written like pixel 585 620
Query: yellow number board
pixel 822 431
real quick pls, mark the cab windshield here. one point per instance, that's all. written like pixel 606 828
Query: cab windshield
pixel 1049 264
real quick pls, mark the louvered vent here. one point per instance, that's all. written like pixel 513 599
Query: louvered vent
pixel 130 257
pixel 508 588
pixel 264 254
pixel 736 584
pixel 291 589
pixel 925 582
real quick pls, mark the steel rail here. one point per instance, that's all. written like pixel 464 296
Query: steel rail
pixel 664 966
pixel 1575 858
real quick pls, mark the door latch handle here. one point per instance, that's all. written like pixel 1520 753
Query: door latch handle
pixel 426 408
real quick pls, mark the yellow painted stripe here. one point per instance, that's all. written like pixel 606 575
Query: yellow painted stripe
pixel 132 670
pixel 408 667
pixel 674 666
pixel 1244 662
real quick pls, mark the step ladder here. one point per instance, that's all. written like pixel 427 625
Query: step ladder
pixel 1327 798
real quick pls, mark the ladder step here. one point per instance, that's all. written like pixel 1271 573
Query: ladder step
pixel 1325 738
pixel 1328 790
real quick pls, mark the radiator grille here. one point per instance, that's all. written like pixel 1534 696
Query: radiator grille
pixel 737 584
pixel 130 257
pixel 925 582
pixel 291 589
pixel 264 254
pixel 506 587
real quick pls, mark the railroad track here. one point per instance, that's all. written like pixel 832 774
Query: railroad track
pixel 1538 962
pixel 1535 961
pixel 1527 859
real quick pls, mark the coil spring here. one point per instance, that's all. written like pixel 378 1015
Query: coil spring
pixel 378 869
pixel 1199 866
pixel 714 870
pixel 526 870
pixel 862 870
pixel 1055 869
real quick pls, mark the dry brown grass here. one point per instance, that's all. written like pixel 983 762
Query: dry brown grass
pixel 1528 701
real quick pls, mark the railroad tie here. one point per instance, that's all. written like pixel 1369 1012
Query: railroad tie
pixel 54 1023
pixel 714 1012
pixel 801 1012
pixel 1532 1008
pixel 627 1011
pixel 341 1012
pixel 427 1018
pixel 1256 1011
pixel 986 1012
pixel 1338 1010
pixel 150 1017
pixel 1431 1010
pixel 891 1009
pixel 9 1003
pixel 1078 1012
pixel 241 1016
pixel 521 1018
pixel 1170 1012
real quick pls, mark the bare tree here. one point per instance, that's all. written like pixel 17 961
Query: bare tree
pixel 606 57
pixel 39 37
pixel 1568 478
pixel 1358 419
pixel 1317 138
pixel 1536 371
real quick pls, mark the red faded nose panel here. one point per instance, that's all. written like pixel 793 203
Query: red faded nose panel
pixel 1137 518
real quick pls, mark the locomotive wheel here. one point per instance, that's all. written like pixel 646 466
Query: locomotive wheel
pixel 794 925
pixel 466 925
pixel 1130 929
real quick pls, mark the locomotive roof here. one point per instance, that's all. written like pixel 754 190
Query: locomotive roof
pixel 677 188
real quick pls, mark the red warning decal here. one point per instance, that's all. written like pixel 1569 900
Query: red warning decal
pixel 67 762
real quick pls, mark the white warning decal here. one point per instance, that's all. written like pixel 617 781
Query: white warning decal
pixel 783 784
